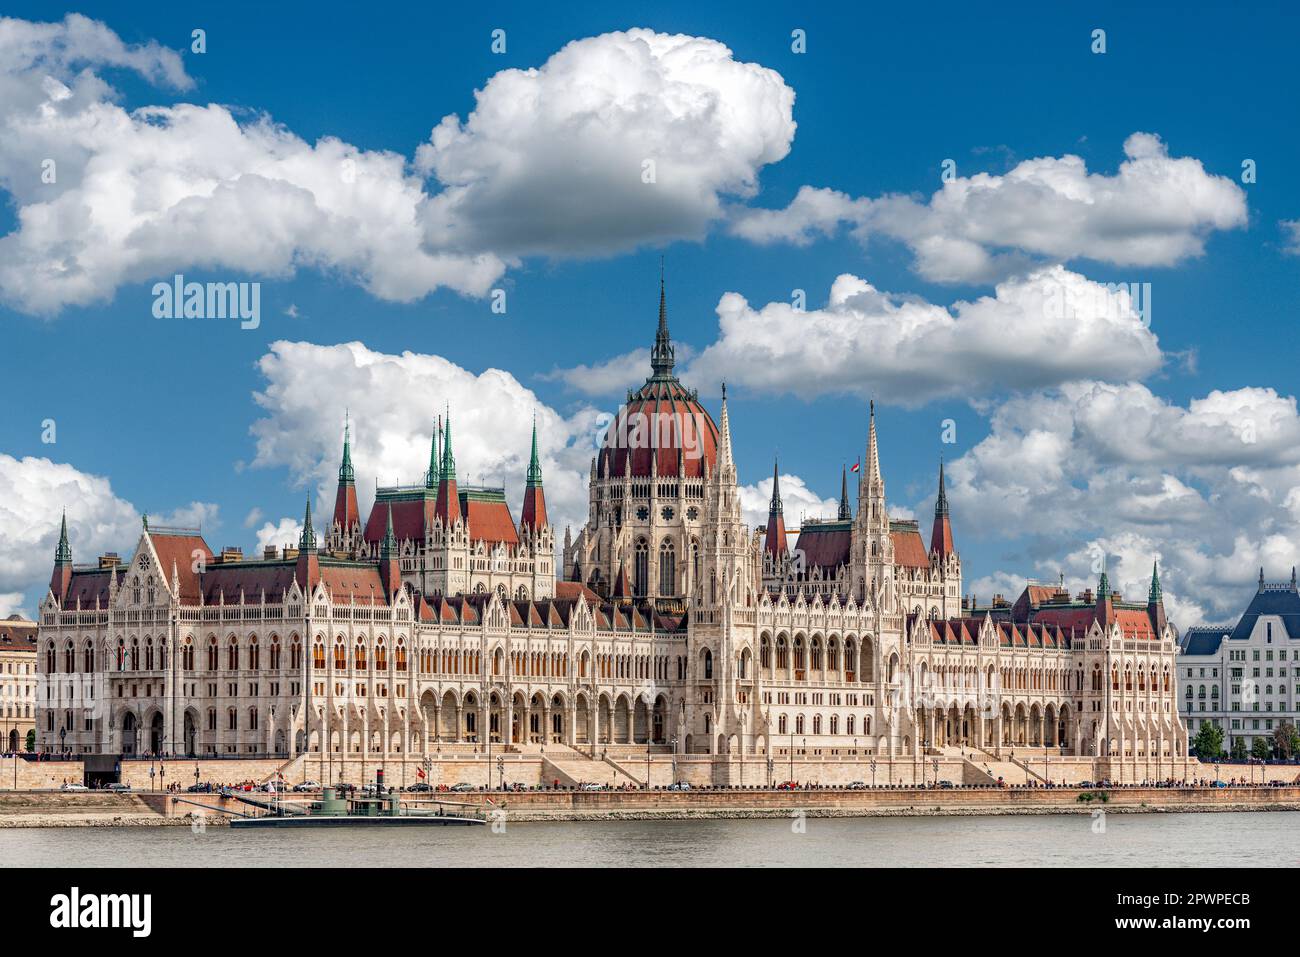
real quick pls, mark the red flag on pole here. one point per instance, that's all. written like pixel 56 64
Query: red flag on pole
pixel 856 465
pixel 419 772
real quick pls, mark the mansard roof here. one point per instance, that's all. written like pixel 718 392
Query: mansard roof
pixel 1280 600
pixel 1203 639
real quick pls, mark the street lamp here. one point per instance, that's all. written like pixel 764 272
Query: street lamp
pixel 873 772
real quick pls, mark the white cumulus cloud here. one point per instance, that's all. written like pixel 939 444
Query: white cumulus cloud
pixel 1043 329
pixel 1156 210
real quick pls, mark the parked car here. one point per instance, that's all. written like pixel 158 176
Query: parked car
pixel 679 786
pixel 70 786
pixel 307 786
pixel 204 788
pixel 117 786
pixel 1086 784
pixel 857 785
pixel 420 786
pixel 788 786
pixel 945 784
pixel 461 787
pixel 593 786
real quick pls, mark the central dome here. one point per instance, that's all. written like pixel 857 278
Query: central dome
pixel 663 427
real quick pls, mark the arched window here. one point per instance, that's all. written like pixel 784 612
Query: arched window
pixel 401 655
pixel 69 658
pixel 50 659
pixel 641 569
pixel 213 654
pixel 708 665
pixel 88 657
pixel 187 655
pixel 340 656
pixel 381 656
pixel 232 655
pixel 318 655
pixel 359 657
pixel 667 568
pixel 254 654
pixel 275 652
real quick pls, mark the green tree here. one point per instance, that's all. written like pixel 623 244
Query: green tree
pixel 1261 749
pixel 31 740
pixel 1239 749
pixel 1286 741
pixel 1208 741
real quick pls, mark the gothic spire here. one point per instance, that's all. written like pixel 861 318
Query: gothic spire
pixel 941 533
pixel 307 541
pixel 63 554
pixel 448 459
pixel 873 454
pixel 1103 586
pixel 346 473
pixel 1155 594
pixel 725 459
pixel 846 512
pixel 431 480
pixel 774 541
pixel 534 511
pixel 661 356
pixel 389 546
pixel 534 466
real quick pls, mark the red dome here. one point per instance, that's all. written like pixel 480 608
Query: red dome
pixel 663 419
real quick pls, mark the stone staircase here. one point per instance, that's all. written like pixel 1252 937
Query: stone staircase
pixel 573 768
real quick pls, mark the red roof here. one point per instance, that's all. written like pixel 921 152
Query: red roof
pixel 489 521
pixel 909 549
pixel 411 516
pixel 826 545
pixel 660 420
pixel 182 550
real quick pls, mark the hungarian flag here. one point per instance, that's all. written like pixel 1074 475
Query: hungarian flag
pixel 419 772
pixel 856 465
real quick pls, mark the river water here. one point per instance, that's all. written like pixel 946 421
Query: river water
pixel 1256 839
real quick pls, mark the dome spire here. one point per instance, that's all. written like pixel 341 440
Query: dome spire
pixel 661 356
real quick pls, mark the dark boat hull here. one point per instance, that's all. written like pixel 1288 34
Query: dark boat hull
pixel 354 821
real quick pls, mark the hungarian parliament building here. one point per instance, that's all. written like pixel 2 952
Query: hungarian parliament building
pixel 664 624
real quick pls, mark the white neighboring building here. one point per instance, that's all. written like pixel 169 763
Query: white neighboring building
pixel 1245 678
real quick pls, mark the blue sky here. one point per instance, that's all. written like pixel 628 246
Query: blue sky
pixel 164 410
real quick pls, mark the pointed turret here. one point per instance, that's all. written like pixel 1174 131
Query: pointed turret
pixel 347 516
pixel 662 355
pixel 534 513
pixel 431 477
pixel 846 510
pixel 448 504
pixel 307 571
pixel 941 534
pixel 1105 604
pixel 61 579
pixel 871 486
pixel 1156 601
pixel 622 592
pixel 390 567
pixel 775 543
pixel 726 461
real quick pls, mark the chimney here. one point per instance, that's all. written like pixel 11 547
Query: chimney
pixel 231 554
pixel 269 553
pixel 109 560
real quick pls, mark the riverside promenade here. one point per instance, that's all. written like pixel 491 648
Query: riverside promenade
pixel 103 809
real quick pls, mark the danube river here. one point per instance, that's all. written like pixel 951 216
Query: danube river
pixel 1256 838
